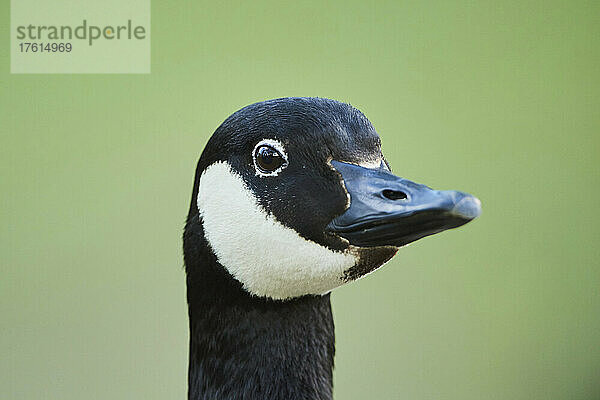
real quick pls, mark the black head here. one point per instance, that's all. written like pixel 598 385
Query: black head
pixel 293 196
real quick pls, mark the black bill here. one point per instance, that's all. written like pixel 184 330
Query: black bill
pixel 386 210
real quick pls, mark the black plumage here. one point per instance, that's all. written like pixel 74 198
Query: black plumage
pixel 244 346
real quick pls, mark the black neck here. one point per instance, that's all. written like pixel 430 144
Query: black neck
pixel 243 347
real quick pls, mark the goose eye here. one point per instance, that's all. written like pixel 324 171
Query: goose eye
pixel 268 159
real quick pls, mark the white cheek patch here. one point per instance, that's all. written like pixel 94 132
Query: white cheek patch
pixel 268 258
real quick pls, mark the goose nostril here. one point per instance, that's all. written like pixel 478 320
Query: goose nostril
pixel 394 194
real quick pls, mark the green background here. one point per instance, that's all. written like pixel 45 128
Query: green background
pixel 500 99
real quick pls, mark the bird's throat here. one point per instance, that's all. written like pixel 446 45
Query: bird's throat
pixel 248 347
pixel 258 349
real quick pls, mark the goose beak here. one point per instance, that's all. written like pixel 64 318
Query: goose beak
pixel 386 210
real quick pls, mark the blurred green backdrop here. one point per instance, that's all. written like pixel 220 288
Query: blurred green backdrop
pixel 500 99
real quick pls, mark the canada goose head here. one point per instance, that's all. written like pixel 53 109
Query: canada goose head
pixel 294 197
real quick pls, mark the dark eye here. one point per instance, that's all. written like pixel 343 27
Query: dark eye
pixel 268 159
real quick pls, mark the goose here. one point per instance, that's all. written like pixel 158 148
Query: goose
pixel 292 198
